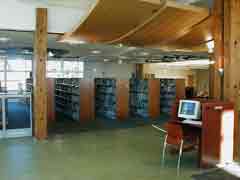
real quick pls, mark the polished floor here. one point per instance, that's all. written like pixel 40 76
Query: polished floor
pixel 129 154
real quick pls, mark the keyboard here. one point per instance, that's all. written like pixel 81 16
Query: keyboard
pixel 187 121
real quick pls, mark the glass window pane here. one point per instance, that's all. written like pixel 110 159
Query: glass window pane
pixel 1 64
pixel 53 66
pixel 73 66
pixel 54 75
pixel 15 85
pixel 16 65
pixel 17 75
pixel 1 76
pixel 28 65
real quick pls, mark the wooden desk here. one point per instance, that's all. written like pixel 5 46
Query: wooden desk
pixel 218 134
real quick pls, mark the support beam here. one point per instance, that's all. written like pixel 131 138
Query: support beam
pixel 139 71
pixel 216 77
pixel 39 74
pixel 232 60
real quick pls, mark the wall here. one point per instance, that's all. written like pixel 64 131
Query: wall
pixel 112 70
pixel 163 72
pixel 202 79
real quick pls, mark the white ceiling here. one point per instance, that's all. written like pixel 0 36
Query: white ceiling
pixel 82 4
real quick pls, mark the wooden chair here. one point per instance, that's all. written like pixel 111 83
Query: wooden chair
pixel 175 137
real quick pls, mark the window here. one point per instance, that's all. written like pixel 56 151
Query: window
pixel 17 71
pixel 65 69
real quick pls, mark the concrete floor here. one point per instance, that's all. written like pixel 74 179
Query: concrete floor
pixel 133 154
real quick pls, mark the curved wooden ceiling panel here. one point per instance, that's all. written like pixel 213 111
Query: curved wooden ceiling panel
pixel 171 24
pixel 143 23
pixel 195 37
pixel 112 19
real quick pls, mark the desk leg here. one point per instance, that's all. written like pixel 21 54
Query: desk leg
pixel 200 152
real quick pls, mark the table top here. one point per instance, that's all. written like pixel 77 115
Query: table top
pixel 187 124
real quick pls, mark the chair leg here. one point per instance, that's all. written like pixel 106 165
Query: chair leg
pixel 179 157
pixel 164 150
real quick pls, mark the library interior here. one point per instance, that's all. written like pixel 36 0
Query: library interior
pixel 104 89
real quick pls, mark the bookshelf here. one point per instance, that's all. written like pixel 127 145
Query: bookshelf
pixel 144 98
pixel 105 98
pixel 112 98
pixel 170 91
pixel 67 97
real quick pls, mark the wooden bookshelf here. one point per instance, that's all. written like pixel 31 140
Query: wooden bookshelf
pixel 145 98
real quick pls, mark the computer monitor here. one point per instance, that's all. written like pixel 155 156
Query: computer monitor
pixel 189 109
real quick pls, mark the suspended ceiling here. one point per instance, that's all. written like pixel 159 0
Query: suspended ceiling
pixel 21 43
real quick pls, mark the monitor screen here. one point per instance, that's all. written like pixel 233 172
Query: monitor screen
pixel 188 108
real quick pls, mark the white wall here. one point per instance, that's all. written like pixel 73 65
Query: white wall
pixel 161 71
pixel 202 77
pixel 17 15
pixel 112 70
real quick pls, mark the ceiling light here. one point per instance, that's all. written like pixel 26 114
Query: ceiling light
pixel 144 53
pixel 72 41
pixel 106 60
pixel 210 46
pixel 120 45
pixel 4 39
pixel 120 61
pixel 96 52
pixel 123 57
pixel 212 62
pixel 50 54
pixel 132 48
pixel 26 51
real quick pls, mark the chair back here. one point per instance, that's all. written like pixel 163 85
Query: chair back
pixel 175 133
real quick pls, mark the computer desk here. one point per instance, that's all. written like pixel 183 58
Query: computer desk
pixel 218 134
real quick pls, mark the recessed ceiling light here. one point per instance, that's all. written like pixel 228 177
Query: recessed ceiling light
pixel 26 51
pixel 106 60
pixel 120 45
pixel 50 54
pixel 132 48
pixel 120 61
pixel 96 52
pixel 72 41
pixel 4 39
pixel 123 57
pixel 144 53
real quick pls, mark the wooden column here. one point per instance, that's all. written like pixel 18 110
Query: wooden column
pixel 180 89
pixel 39 75
pixel 216 78
pixel 232 60
pixel 139 71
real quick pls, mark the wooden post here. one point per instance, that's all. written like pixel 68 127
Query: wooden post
pixel 39 75
pixel 139 71
pixel 232 60
pixel 216 75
